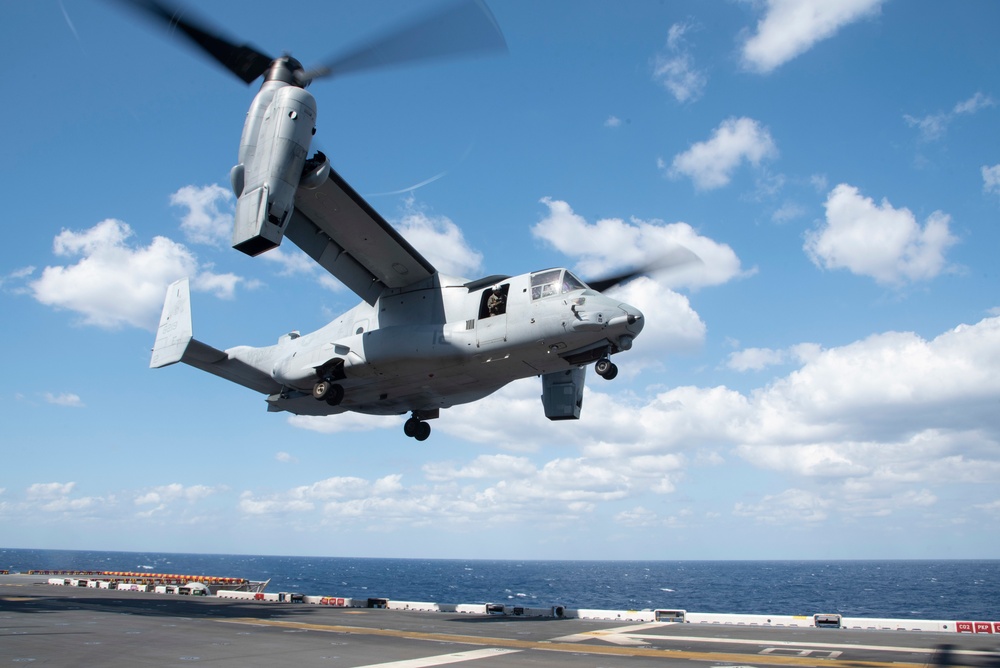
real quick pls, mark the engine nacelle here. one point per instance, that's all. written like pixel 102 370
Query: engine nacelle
pixel 276 138
pixel 315 172
pixel 562 393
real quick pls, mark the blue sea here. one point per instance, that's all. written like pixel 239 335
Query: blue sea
pixel 950 590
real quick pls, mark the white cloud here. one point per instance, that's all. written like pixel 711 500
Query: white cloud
pixel 491 489
pixel 209 217
pixel 934 126
pixel 441 241
pixel 113 283
pixel 675 70
pixel 285 458
pixel 612 244
pixel 991 179
pixel 612 122
pixel 64 399
pixel 789 28
pixel 793 506
pixel 165 494
pixel 484 466
pixel 788 211
pixel 47 490
pixel 116 282
pixel 54 497
pixel 222 286
pixel 756 359
pixel 879 241
pixel 710 164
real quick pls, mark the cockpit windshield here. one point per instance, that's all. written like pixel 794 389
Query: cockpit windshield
pixel 554 282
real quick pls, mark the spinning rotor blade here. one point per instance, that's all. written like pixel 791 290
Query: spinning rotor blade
pixel 673 259
pixel 463 27
pixel 241 59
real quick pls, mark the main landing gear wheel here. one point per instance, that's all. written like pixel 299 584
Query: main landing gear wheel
pixel 605 368
pixel 329 392
pixel 417 428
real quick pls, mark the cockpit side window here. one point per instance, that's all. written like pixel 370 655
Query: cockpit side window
pixel 545 283
pixel 554 282
pixel 571 283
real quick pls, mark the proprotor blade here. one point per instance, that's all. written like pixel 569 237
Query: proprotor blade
pixel 673 259
pixel 242 60
pixel 460 28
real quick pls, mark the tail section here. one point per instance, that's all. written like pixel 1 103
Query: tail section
pixel 175 342
pixel 175 332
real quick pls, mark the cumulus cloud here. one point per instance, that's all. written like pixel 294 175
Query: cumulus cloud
pixel 612 122
pixel 48 490
pixel 209 216
pixel 165 494
pixel 56 497
pixel 756 359
pixel 878 240
pixel 491 489
pixel 934 126
pixel 793 506
pixel 789 28
pixel 711 163
pixel 614 243
pixel 877 417
pixel 116 282
pixel 439 240
pixel 674 67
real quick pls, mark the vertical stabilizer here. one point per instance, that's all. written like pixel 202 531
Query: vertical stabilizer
pixel 175 331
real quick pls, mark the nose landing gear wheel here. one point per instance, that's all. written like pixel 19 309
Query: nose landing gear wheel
pixel 605 368
pixel 417 428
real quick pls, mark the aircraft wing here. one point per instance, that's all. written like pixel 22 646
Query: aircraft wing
pixel 336 227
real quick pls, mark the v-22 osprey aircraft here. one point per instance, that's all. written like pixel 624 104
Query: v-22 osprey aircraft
pixel 419 341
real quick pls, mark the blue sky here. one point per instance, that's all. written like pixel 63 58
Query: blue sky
pixel 825 385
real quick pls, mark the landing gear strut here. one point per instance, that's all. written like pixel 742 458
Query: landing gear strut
pixel 417 428
pixel 332 393
pixel 605 368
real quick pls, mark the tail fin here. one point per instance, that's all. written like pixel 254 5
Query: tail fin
pixel 175 331
pixel 175 342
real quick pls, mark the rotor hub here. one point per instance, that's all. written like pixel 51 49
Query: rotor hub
pixel 287 70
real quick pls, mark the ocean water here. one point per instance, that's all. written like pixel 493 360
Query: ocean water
pixel 950 590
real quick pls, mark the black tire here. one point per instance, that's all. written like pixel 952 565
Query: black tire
pixel 423 431
pixel 603 367
pixel 335 395
pixel 411 427
pixel 612 372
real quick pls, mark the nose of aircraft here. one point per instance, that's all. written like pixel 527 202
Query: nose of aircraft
pixel 633 318
pixel 630 324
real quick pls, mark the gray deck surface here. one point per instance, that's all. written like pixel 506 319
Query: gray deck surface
pixel 49 625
